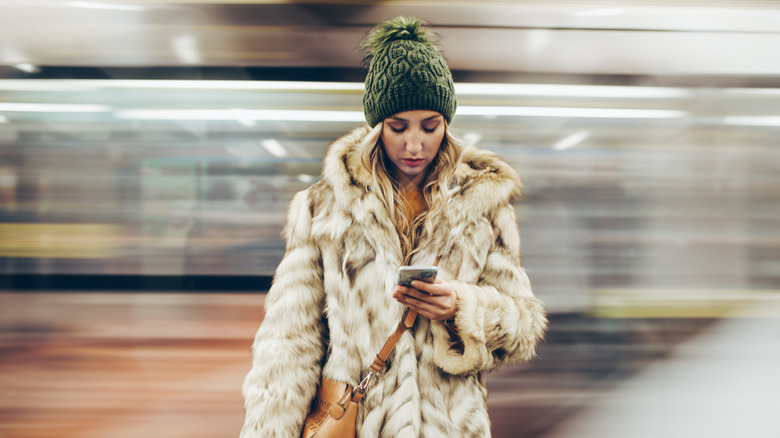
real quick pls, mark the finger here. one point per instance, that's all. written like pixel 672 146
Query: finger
pixel 426 306
pixel 432 305
pixel 427 288
pixel 402 290
pixel 425 296
pixel 410 292
pixel 440 288
pixel 422 307
pixel 408 295
pixel 411 298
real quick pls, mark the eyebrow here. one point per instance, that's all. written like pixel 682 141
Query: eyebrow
pixel 428 119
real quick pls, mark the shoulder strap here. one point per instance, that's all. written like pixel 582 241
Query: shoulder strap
pixel 406 322
pixel 381 358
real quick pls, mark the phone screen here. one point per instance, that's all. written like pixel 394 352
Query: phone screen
pixel 423 273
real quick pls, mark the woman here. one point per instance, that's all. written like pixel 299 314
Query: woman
pixel 400 191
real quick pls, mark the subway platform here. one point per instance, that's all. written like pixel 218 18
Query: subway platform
pixel 171 365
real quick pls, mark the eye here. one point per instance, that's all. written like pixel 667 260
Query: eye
pixel 397 128
pixel 429 129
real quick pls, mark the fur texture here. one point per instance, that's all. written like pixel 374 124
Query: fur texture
pixel 330 309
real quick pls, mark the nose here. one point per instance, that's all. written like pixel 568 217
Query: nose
pixel 414 142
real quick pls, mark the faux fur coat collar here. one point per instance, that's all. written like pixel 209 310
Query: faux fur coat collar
pixel 330 308
pixel 483 182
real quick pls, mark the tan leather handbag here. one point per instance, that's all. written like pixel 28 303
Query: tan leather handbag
pixel 335 410
pixel 335 413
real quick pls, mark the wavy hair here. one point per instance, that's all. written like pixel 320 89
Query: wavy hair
pixel 415 234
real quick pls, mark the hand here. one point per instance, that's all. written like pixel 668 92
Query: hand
pixel 437 301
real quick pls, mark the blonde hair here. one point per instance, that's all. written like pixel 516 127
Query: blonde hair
pixel 415 234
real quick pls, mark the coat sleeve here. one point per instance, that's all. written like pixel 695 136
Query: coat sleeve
pixel 498 320
pixel 289 344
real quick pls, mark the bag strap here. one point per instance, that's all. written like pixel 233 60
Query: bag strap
pixel 381 358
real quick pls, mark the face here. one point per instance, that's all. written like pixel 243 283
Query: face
pixel 411 140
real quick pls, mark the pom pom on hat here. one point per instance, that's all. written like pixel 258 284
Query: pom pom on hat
pixel 399 28
pixel 406 72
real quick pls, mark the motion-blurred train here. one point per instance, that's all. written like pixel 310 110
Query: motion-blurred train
pixel 156 146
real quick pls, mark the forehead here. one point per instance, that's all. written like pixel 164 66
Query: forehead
pixel 415 116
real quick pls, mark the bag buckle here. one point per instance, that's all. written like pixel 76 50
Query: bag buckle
pixel 361 388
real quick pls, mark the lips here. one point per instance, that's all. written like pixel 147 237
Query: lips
pixel 413 162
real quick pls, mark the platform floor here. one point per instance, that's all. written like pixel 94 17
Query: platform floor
pixel 84 365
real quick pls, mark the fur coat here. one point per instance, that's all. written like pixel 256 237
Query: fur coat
pixel 329 310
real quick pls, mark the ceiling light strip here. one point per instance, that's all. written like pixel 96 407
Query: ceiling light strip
pixel 563 90
pixel 358 116
pixel 243 115
pixel 603 113
pixel 52 107
pixel 466 89
pixel 94 84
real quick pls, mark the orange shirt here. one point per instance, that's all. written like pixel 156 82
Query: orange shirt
pixel 417 204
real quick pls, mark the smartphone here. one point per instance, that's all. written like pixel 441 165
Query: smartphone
pixel 423 273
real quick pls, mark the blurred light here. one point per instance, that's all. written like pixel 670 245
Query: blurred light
pixel 58 240
pixel 752 120
pixel 600 12
pixel 3 119
pixel 27 67
pixel 472 137
pixel 571 140
pixel 53 107
pixel 570 90
pixel 47 85
pixel 110 6
pixel 274 148
pixel 462 89
pixel 538 40
pixel 305 178
pixel 226 85
pixel 10 55
pixel 242 114
pixel 245 151
pixel 767 91
pixel 186 48
pixel 606 113
pixel 92 84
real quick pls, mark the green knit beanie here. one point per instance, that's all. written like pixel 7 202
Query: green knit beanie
pixel 406 72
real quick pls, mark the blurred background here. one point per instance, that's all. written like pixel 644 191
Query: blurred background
pixel 149 150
